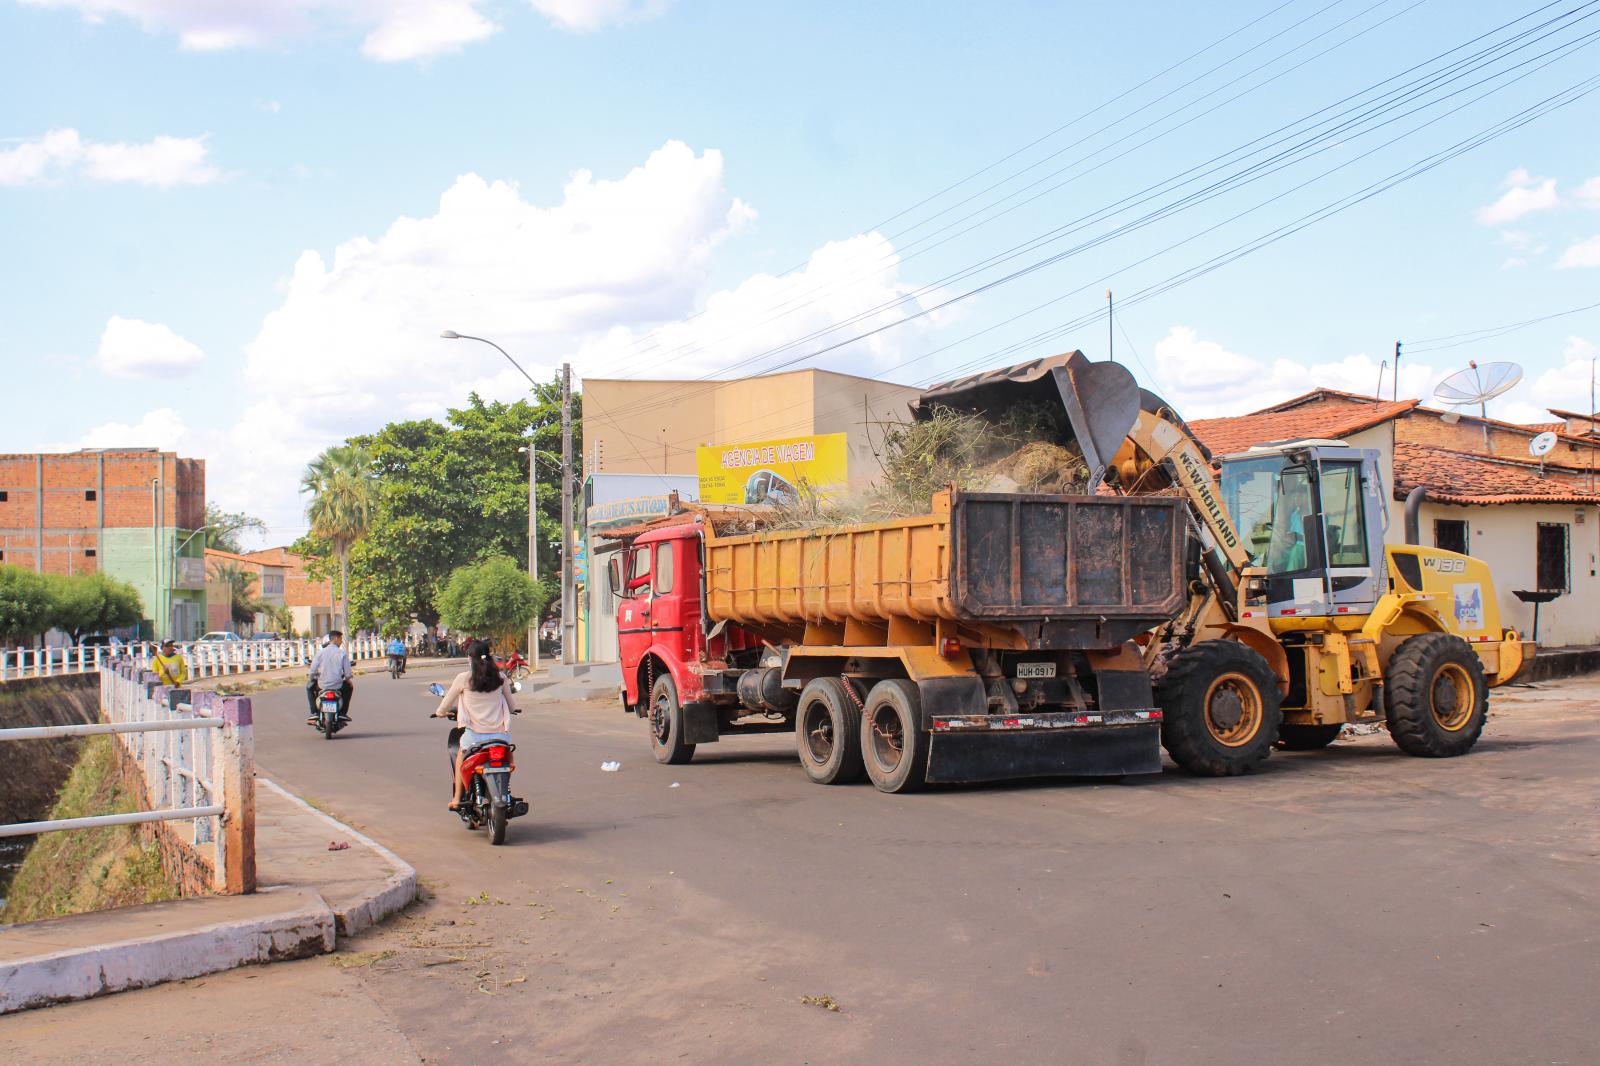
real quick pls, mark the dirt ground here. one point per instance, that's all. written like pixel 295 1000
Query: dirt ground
pixel 1352 905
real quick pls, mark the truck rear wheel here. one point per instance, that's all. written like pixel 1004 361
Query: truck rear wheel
pixel 666 723
pixel 893 745
pixel 1436 696
pixel 827 732
pixel 1307 737
pixel 1221 709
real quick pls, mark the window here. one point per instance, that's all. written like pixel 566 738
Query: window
pixel 90 552
pixel 272 584
pixel 4 496
pixel 663 568
pixel 1450 534
pixel 638 571
pixel 1343 516
pixel 88 495
pixel 1270 503
pixel 1554 574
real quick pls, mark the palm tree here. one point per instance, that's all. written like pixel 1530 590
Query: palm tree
pixel 240 582
pixel 343 492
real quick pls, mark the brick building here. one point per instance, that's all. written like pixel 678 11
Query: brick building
pixel 309 599
pixel 271 579
pixel 1535 521
pixel 126 512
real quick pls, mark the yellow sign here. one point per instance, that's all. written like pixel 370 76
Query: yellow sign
pixel 772 471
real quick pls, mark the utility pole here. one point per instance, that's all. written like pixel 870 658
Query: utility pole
pixel 569 621
pixel 533 539
pixel 1396 370
pixel 1111 336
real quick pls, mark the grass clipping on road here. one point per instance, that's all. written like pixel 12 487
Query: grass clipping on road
pixel 1020 452
pixel 84 870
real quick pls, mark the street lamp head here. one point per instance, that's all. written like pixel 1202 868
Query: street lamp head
pixel 450 335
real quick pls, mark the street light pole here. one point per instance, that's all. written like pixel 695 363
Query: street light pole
pixel 569 614
pixel 533 491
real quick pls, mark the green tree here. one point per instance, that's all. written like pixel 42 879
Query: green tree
pixel 452 494
pixel 494 598
pixel 223 528
pixel 91 603
pixel 282 618
pixel 240 582
pixel 343 489
pixel 25 603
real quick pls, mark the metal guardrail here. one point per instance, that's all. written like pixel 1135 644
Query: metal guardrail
pixel 205 658
pixel 189 761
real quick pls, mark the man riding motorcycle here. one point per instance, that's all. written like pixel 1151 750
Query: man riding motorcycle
pixel 331 672
pixel 397 653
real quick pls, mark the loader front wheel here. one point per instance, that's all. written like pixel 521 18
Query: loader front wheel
pixel 893 744
pixel 1220 709
pixel 827 732
pixel 1437 698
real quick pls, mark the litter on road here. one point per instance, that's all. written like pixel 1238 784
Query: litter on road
pixel 611 766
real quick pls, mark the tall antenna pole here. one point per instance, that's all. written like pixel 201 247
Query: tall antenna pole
pixel 1396 370
pixel 1383 366
pixel 1111 337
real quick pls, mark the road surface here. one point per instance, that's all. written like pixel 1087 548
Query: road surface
pixel 1353 905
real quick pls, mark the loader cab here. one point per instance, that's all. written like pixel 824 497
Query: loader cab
pixel 1311 514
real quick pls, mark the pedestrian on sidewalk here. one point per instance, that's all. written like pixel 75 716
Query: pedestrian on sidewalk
pixel 171 668
pixel 331 672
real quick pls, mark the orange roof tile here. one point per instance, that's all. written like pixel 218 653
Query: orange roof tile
pixel 1457 477
pixel 1225 436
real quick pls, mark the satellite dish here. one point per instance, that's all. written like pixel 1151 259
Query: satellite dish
pixel 1478 384
pixel 1542 445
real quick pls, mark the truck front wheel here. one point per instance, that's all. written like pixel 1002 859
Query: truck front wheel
pixel 893 744
pixel 1220 708
pixel 666 723
pixel 827 732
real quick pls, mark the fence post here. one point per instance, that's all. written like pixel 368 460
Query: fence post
pixel 235 774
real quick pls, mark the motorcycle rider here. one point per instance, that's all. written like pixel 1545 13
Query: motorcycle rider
pixel 483 702
pixel 397 650
pixel 331 672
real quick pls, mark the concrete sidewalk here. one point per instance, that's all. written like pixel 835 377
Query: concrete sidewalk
pixel 310 897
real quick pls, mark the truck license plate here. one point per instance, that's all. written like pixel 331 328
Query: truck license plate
pixel 1036 669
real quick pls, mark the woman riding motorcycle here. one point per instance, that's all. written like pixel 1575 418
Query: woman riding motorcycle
pixel 483 707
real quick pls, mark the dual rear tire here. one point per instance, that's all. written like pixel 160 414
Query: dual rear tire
pixel 840 737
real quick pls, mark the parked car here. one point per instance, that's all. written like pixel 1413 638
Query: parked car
pixel 218 638
pixel 268 636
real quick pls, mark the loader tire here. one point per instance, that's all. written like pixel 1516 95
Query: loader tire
pixel 894 746
pixel 1436 698
pixel 1307 737
pixel 666 723
pixel 1221 709
pixel 827 732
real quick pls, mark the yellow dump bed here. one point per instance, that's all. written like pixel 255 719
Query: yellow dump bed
pixel 1102 567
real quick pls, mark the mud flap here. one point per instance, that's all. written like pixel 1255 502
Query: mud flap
pixel 1002 755
pixel 700 723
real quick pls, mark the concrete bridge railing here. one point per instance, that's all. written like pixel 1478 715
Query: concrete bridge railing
pixel 188 758
pixel 205 658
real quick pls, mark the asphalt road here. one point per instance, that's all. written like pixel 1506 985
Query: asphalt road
pixel 1348 906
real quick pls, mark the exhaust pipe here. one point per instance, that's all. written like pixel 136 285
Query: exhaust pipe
pixel 1414 500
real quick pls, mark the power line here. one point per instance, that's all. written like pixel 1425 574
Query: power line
pixel 1474 336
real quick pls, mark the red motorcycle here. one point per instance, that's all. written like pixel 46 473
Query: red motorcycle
pixel 514 668
pixel 486 798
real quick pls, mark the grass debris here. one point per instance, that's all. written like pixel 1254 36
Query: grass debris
pixel 826 1002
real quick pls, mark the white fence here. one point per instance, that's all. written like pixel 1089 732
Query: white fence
pixel 192 761
pixel 206 658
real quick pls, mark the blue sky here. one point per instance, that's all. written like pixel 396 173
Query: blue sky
pixel 237 229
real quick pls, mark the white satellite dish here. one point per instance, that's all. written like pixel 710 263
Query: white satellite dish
pixel 1542 445
pixel 1478 384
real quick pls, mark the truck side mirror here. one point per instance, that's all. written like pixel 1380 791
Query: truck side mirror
pixel 614 574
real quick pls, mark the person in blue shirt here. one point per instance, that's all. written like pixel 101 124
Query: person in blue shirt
pixel 397 650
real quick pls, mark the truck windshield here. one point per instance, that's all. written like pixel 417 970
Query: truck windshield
pixel 1270 500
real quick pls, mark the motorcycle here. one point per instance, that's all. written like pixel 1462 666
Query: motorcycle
pixel 515 667
pixel 396 666
pixel 486 798
pixel 328 720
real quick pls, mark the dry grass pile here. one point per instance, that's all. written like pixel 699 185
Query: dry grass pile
pixel 1020 452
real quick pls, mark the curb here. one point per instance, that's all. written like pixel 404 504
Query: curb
pixel 118 966
pixel 374 905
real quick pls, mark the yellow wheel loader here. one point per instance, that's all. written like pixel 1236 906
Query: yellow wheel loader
pixel 1299 617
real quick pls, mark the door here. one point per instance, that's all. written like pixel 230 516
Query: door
pixel 633 614
pixel 1347 528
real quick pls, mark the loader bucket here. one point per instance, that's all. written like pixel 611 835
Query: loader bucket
pixel 1101 400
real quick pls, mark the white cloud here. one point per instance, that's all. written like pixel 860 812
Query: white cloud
pixel 61 153
pixel 355 342
pixel 130 348
pixel 1588 194
pixel 1203 379
pixel 1524 195
pixel 162 428
pixel 585 16
pixel 393 30
pixel 1583 254
pixel 1565 387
